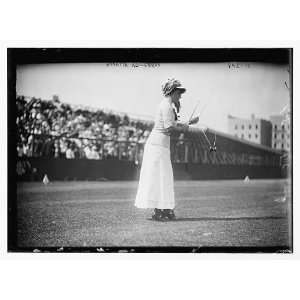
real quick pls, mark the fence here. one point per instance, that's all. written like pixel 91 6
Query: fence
pixel 47 146
pixel 64 158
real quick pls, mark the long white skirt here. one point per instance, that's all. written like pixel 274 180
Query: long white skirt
pixel 156 184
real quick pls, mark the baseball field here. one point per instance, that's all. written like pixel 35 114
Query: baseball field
pixel 229 213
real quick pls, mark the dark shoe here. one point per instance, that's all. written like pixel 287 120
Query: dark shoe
pixel 158 215
pixel 169 214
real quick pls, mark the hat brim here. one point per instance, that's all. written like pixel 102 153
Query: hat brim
pixel 182 89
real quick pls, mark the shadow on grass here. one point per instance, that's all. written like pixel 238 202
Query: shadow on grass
pixel 223 219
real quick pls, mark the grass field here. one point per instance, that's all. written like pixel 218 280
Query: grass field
pixel 101 214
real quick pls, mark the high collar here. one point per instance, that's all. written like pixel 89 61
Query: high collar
pixel 169 100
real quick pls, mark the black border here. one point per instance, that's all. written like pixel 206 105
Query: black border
pixel 158 55
pixel 19 56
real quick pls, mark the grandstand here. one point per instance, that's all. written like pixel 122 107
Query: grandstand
pixel 76 142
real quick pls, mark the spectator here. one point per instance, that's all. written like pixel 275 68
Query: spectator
pixel 56 149
pixel 93 153
pixel 87 151
pixel 70 152
pixel 38 121
pixel 48 149
pixel 20 150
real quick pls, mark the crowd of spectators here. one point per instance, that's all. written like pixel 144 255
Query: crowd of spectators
pixel 50 128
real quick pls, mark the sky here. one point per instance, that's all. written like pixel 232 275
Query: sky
pixel 238 89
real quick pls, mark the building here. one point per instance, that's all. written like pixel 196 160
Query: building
pixel 281 139
pixel 254 130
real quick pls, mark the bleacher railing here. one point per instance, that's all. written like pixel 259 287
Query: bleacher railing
pixel 43 145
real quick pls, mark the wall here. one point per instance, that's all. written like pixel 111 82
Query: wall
pixel 63 169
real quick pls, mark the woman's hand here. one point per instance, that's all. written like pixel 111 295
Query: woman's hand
pixel 185 127
pixel 194 121
pixel 179 127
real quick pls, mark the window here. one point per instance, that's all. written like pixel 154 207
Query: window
pixel 282 136
pixel 256 136
pixel 242 136
pixel 256 126
pixel 235 127
pixel 282 127
pixel 243 126
pixel 275 135
pixel 288 145
pixel 249 126
pixel 249 136
pixel 275 127
pixel 274 145
pixel 282 146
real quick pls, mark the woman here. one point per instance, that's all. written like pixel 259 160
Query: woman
pixel 156 186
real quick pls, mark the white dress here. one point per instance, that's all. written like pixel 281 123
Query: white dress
pixel 156 184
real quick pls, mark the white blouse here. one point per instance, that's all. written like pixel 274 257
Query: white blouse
pixel 164 119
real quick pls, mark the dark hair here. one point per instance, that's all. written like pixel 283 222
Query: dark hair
pixel 176 110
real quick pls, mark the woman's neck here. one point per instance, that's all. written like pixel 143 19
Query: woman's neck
pixel 169 99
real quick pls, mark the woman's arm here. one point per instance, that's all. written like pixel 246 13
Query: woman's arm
pixel 177 127
pixel 180 126
pixel 174 126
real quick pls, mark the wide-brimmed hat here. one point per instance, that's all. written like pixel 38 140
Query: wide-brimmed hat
pixel 171 85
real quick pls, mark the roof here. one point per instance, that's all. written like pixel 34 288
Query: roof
pixel 233 138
